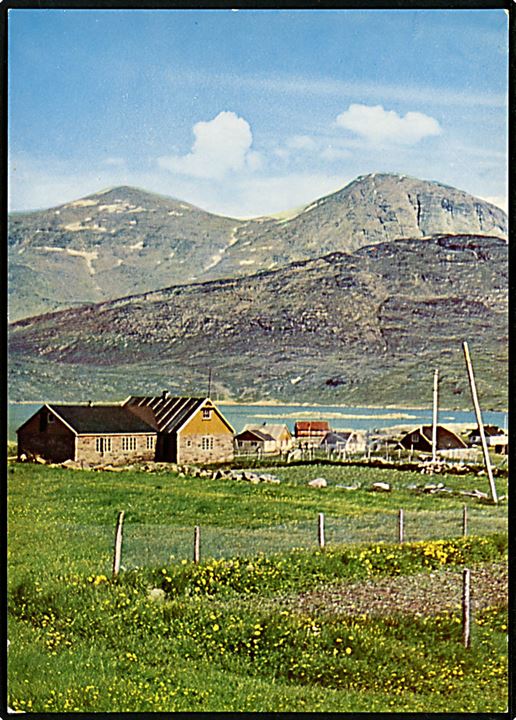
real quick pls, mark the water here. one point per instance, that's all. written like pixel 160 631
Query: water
pixel 354 418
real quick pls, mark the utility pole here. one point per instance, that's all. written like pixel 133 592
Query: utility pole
pixel 434 420
pixel 209 382
pixel 474 396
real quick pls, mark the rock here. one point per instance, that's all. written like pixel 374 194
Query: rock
pixel 156 595
pixel 319 482
pixel 40 460
pixel 348 487
pixel 72 464
pixel 23 457
pixel 294 455
pixel 272 479
pixel 381 487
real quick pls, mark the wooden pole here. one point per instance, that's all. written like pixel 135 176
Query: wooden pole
pixel 465 520
pixel 400 526
pixel 434 418
pixel 117 552
pixel 321 530
pixel 474 396
pixel 466 607
pixel 197 544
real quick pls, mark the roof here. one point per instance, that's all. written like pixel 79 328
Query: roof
pixel 255 433
pixel 94 419
pixel 489 431
pixel 332 438
pixel 426 433
pixel 272 429
pixel 312 425
pixel 168 414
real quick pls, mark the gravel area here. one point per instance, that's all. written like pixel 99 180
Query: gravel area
pixel 421 594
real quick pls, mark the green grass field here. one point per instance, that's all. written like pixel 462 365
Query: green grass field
pixel 230 634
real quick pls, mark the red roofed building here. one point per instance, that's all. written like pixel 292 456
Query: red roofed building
pixel 311 428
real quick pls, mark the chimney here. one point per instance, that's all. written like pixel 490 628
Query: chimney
pixel 90 403
pixel 164 395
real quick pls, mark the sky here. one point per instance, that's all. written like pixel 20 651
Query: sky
pixel 253 112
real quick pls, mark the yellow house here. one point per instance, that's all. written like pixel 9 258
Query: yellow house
pixel 190 430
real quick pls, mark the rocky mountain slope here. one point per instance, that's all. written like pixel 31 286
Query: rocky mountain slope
pixel 124 241
pixel 362 327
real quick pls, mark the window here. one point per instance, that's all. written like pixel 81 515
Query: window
pixel 150 442
pixel 102 445
pixel 207 443
pixel 128 443
pixel 206 413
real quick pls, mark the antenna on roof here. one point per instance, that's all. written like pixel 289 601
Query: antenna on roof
pixel 209 382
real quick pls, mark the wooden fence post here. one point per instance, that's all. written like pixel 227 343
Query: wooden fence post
pixel 197 544
pixel 466 608
pixel 117 552
pixel 465 520
pixel 321 530
pixel 400 526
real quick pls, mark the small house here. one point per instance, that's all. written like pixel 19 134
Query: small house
pixel 345 441
pixel 189 429
pixel 496 438
pixel 250 442
pixel 311 428
pixel 420 439
pixel 278 431
pixel 93 434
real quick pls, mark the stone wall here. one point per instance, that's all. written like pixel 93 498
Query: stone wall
pixel 87 451
pixel 190 449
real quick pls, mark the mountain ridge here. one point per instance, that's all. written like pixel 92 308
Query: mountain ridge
pixel 124 240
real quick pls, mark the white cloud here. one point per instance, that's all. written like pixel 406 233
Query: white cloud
pixel 221 146
pixel 378 125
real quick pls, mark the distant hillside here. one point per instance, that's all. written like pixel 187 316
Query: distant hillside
pixel 125 241
pixel 362 327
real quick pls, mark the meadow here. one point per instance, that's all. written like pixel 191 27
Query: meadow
pixel 250 627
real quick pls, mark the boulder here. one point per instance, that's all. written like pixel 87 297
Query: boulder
pixel 319 482
pixel 156 595
pixel 381 487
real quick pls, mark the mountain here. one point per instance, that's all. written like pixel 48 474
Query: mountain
pixel 124 241
pixel 362 327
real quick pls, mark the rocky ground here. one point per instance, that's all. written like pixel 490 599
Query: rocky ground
pixel 421 594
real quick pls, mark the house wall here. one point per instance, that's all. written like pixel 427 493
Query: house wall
pixel 190 440
pixel 88 453
pixel 56 443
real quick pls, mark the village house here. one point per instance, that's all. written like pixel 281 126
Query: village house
pixel 190 430
pixel 251 442
pixel 496 438
pixel 344 441
pixel 186 430
pixel 420 439
pixel 92 434
pixel 278 431
pixel 311 429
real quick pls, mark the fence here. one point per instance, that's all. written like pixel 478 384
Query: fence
pixel 152 545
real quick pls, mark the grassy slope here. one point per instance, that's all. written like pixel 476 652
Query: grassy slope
pixel 79 641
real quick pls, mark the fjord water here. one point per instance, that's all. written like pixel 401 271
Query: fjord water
pixel 338 417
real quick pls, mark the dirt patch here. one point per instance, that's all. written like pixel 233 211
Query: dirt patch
pixel 421 594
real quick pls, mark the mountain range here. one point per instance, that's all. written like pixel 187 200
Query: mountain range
pixel 124 241
pixel 366 327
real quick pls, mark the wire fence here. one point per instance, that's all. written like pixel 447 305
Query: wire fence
pixel 152 545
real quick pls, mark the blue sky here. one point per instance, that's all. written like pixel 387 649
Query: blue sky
pixel 253 112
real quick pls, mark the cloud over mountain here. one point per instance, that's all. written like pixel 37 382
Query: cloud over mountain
pixel 378 125
pixel 221 146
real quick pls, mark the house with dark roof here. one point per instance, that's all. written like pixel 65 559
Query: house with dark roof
pixel 496 438
pixel 92 434
pixel 163 428
pixel 343 441
pixel 189 429
pixel 254 441
pixel 420 439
